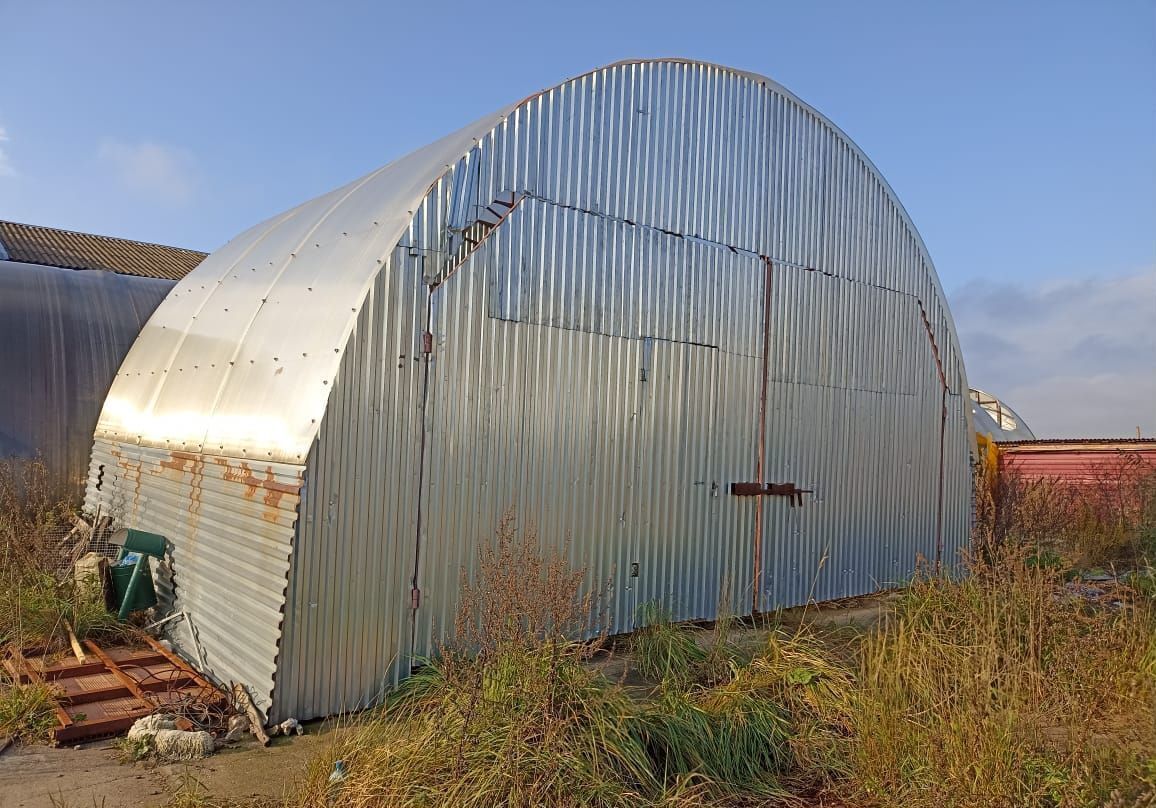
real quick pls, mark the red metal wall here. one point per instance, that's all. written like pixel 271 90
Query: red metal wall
pixel 1084 462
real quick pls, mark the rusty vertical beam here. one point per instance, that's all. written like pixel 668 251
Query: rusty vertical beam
pixel 939 508
pixel 942 431
pixel 762 434
pixel 427 355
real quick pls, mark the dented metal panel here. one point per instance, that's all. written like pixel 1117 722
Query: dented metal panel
pixel 229 526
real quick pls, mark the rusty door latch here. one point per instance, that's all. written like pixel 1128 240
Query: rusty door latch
pixel 771 490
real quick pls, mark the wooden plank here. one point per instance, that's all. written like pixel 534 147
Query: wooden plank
pixel 57 673
pixel 97 729
pixel 77 651
pixel 115 670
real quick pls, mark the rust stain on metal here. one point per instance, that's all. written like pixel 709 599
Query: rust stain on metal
pixel 273 491
pixel 130 470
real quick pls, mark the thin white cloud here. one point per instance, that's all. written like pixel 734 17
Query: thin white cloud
pixel 1076 358
pixel 6 167
pixel 163 173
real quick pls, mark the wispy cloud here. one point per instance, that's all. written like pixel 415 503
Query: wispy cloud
pixel 6 167
pixel 1073 357
pixel 164 173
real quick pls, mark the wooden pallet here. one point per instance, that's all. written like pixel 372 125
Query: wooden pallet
pixel 115 686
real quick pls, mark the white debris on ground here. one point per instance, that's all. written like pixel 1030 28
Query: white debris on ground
pixel 290 726
pixel 167 742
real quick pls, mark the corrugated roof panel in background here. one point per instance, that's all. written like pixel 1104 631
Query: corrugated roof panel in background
pixel 48 246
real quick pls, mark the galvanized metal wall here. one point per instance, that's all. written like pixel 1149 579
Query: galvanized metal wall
pixel 597 365
pixel 348 618
pixel 601 430
pixel 230 525
pixel 63 334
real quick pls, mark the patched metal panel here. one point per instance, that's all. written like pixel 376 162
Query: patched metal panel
pixel 229 526
pixel 561 267
pixel 854 407
pixel 63 334
pixel 605 445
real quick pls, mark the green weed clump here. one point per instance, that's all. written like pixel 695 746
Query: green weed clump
pixel 27 711
pixel 1002 688
pixel 663 650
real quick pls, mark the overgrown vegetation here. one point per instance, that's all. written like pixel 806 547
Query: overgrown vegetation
pixel 39 601
pixel 27 712
pixel 1105 520
pixel 1007 685
pixel 38 597
pixel 1011 682
pixel 1006 688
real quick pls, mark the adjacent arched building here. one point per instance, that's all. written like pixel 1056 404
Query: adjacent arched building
pixel 614 306
pixel 71 305
pixel 995 420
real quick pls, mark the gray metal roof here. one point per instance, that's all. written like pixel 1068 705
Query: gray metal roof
pixel 49 246
pixel 240 358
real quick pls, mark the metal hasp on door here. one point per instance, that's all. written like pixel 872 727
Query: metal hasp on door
pixel 771 490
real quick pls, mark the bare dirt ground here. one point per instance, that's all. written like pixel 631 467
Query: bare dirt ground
pixel 93 776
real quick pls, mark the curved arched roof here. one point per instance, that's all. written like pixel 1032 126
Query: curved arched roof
pixel 239 359
pixel 997 420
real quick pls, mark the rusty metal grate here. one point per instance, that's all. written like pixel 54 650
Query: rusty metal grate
pixel 112 688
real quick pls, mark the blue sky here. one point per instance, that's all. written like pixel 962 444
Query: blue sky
pixel 1021 137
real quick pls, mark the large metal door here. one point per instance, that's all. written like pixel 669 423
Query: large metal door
pixel 602 444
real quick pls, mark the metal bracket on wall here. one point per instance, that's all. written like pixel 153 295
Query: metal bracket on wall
pixel 771 490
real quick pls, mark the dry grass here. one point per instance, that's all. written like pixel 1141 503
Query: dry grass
pixel 1005 689
pixel 37 593
pixel 1108 521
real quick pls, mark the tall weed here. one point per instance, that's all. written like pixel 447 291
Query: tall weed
pixel 1003 689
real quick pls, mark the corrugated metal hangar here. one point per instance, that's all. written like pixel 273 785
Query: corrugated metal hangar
pixel 665 309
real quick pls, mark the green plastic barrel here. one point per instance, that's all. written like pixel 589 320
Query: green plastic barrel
pixel 143 595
